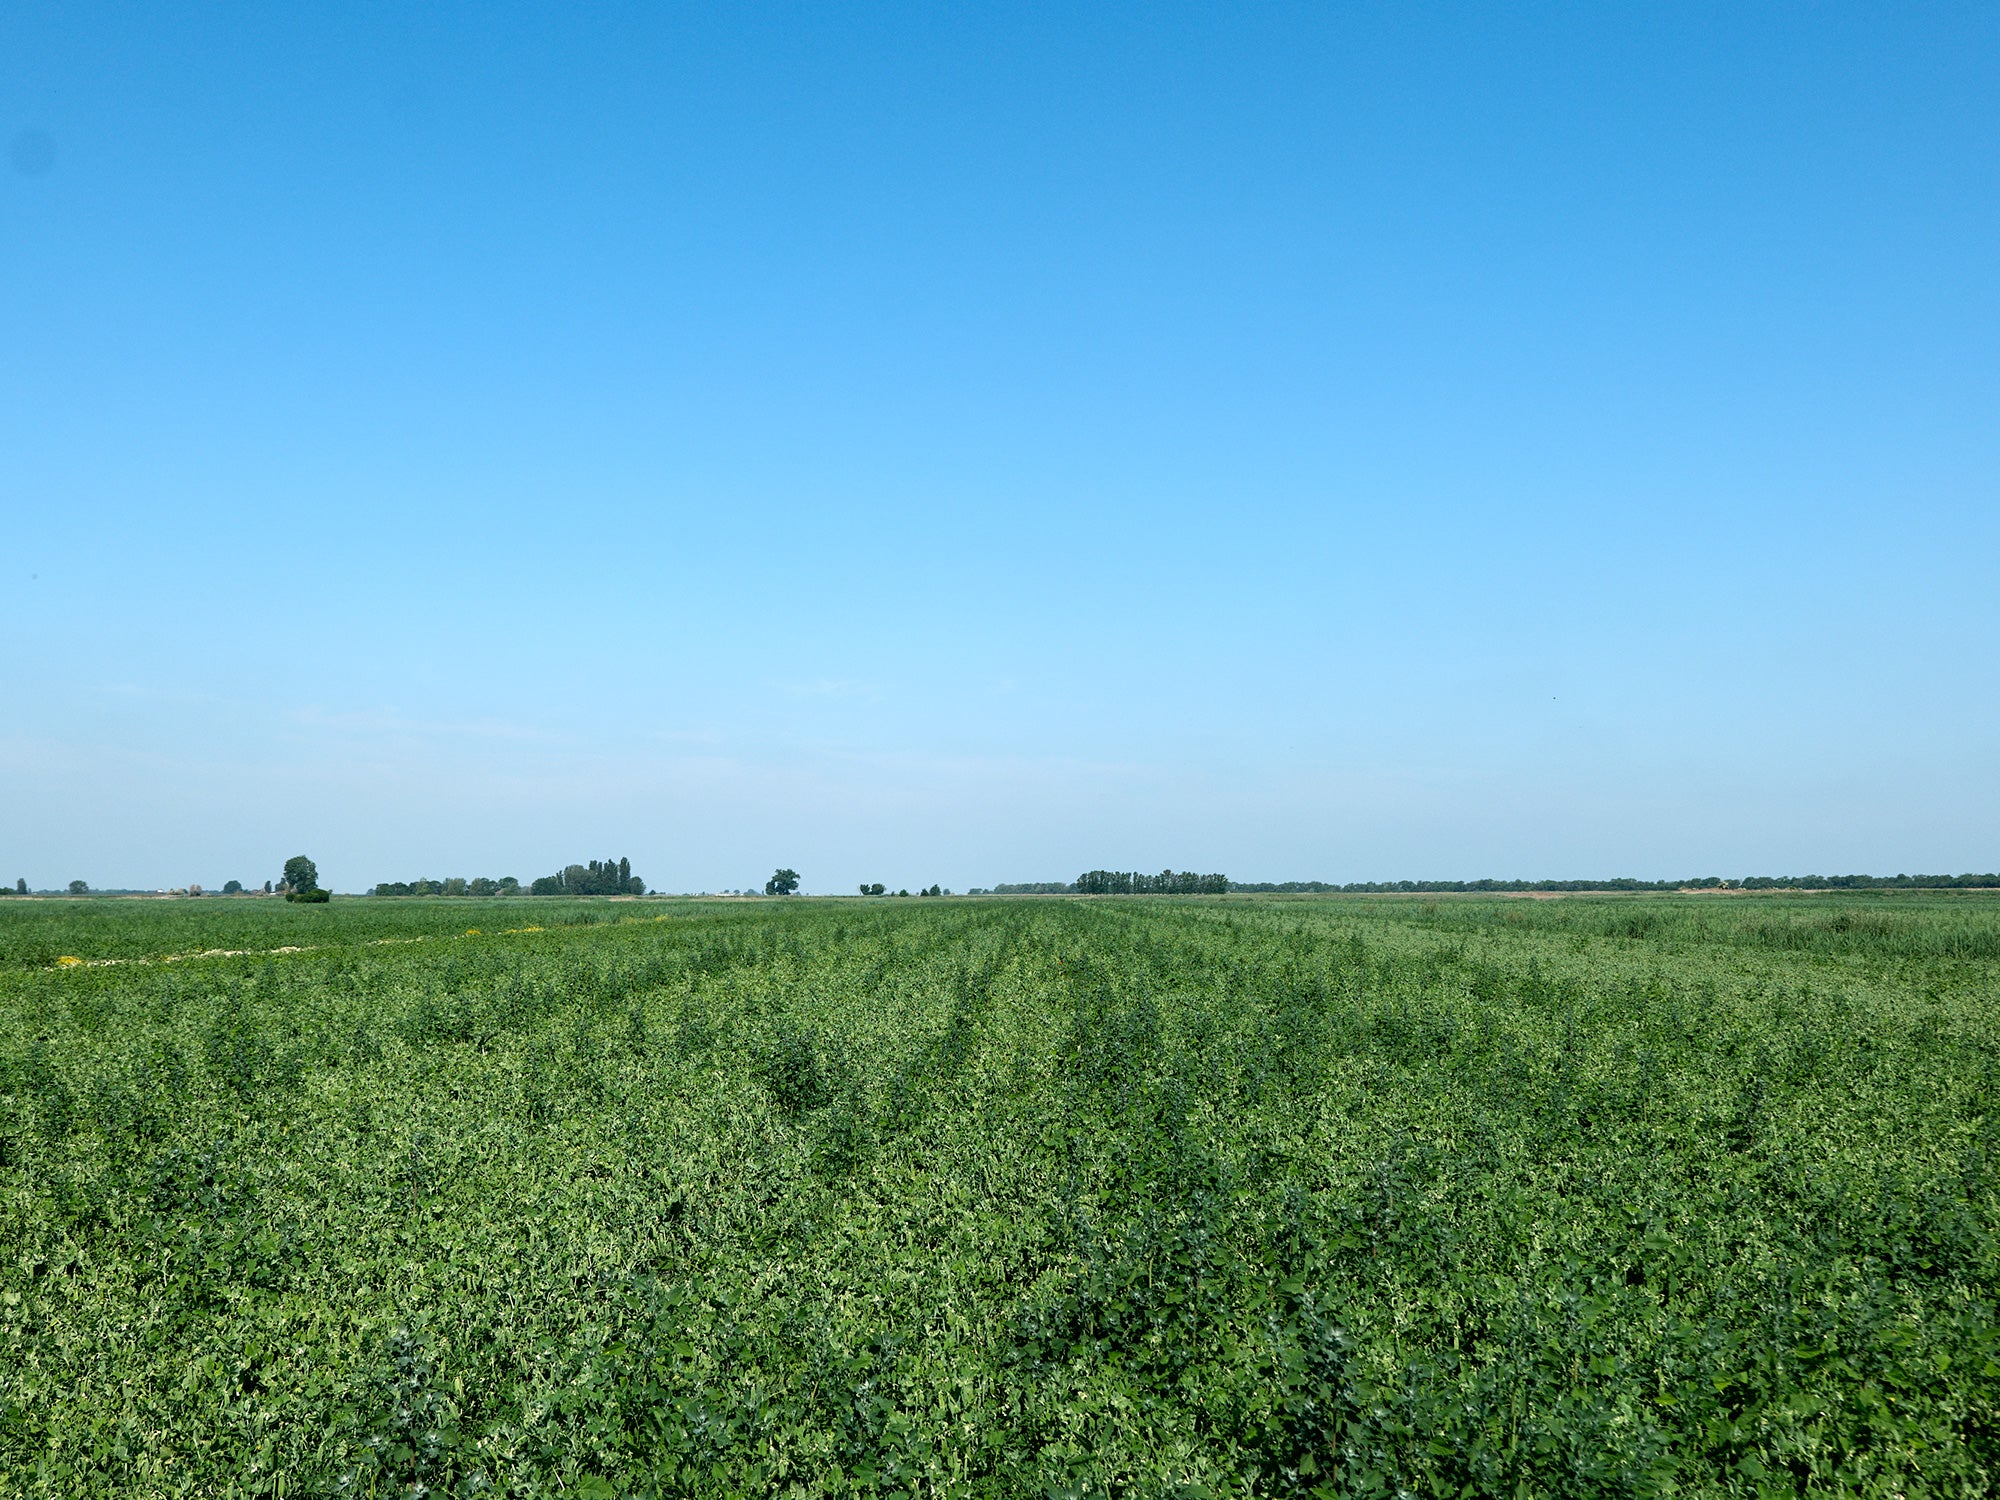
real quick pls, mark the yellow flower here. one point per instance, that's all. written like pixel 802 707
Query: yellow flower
pixel 67 960
pixel 472 932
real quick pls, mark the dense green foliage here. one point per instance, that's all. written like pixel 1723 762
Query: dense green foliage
pixel 1166 883
pixel 454 885
pixel 1012 1197
pixel 598 878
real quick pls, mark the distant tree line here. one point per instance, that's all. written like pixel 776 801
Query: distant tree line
pixel 1872 882
pixel 1166 883
pixel 456 885
pixel 1170 883
pixel 1627 883
pixel 1446 887
pixel 1118 883
pixel 601 877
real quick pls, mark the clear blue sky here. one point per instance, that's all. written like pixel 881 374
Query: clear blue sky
pixel 966 444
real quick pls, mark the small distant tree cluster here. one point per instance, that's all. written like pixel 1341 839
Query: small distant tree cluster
pixel 1626 883
pixel 301 882
pixel 598 878
pixel 301 874
pixel 1166 883
pixel 455 885
pixel 872 890
pixel 79 888
pixel 20 888
pixel 232 887
pixel 782 883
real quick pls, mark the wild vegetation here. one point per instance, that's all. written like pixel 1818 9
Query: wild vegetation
pixel 1162 1196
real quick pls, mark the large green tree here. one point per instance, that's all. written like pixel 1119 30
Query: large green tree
pixel 782 883
pixel 301 874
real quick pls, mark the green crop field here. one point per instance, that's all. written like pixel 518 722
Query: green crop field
pixel 1669 1195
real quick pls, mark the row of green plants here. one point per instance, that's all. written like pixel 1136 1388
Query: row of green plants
pixel 1163 1197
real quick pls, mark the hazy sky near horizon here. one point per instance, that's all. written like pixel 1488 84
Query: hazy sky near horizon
pixel 979 443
